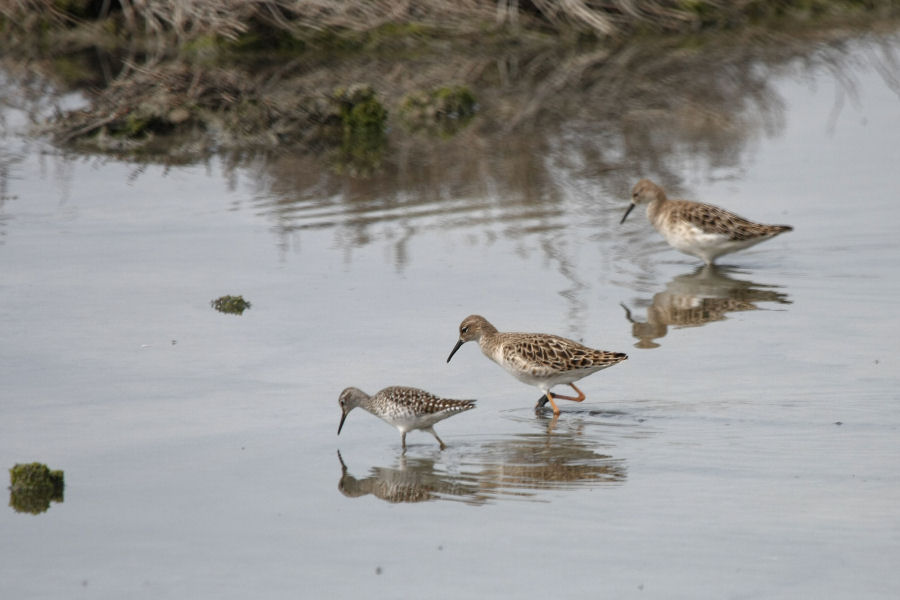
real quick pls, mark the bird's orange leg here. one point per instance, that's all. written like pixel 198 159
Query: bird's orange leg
pixel 580 397
pixel 552 403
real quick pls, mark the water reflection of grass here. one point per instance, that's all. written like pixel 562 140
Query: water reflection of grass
pixel 604 115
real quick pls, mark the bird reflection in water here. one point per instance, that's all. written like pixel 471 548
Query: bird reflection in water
pixel 514 467
pixel 410 480
pixel 690 300
pixel 524 463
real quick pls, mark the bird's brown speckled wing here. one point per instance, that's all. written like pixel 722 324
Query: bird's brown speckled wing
pixel 544 355
pixel 712 219
pixel 424 402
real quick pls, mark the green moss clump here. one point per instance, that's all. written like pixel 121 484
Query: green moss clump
pixel 443 111
pixel 362 115
pixel 233 305
pixel 33 486
pixel 32 476
pixel 363 121
pixel 454 102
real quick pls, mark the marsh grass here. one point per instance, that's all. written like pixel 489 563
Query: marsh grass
pixel 181 21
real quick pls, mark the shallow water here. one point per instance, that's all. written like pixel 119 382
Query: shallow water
pixel 749 447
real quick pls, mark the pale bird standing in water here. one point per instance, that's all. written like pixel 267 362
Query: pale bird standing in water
pixel 405 408
pixel 539 359
pixel 698 229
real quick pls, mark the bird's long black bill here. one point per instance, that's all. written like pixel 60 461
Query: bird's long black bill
pixel 343 418
pixel 627 212
pixel 455 348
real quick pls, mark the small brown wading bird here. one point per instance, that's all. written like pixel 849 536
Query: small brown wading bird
pixel 405 408
pixel 698 229
pixel 538 359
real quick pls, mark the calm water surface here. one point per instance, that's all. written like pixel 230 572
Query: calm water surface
pixel 749 447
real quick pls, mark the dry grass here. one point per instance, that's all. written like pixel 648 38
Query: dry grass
pixel 188 19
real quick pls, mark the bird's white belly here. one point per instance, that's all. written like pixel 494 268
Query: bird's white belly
pixel 689 238
pixel 692 240
pixel 536 375
pixel 408 422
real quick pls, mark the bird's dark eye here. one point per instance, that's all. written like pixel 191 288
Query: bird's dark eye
pixel 463 329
